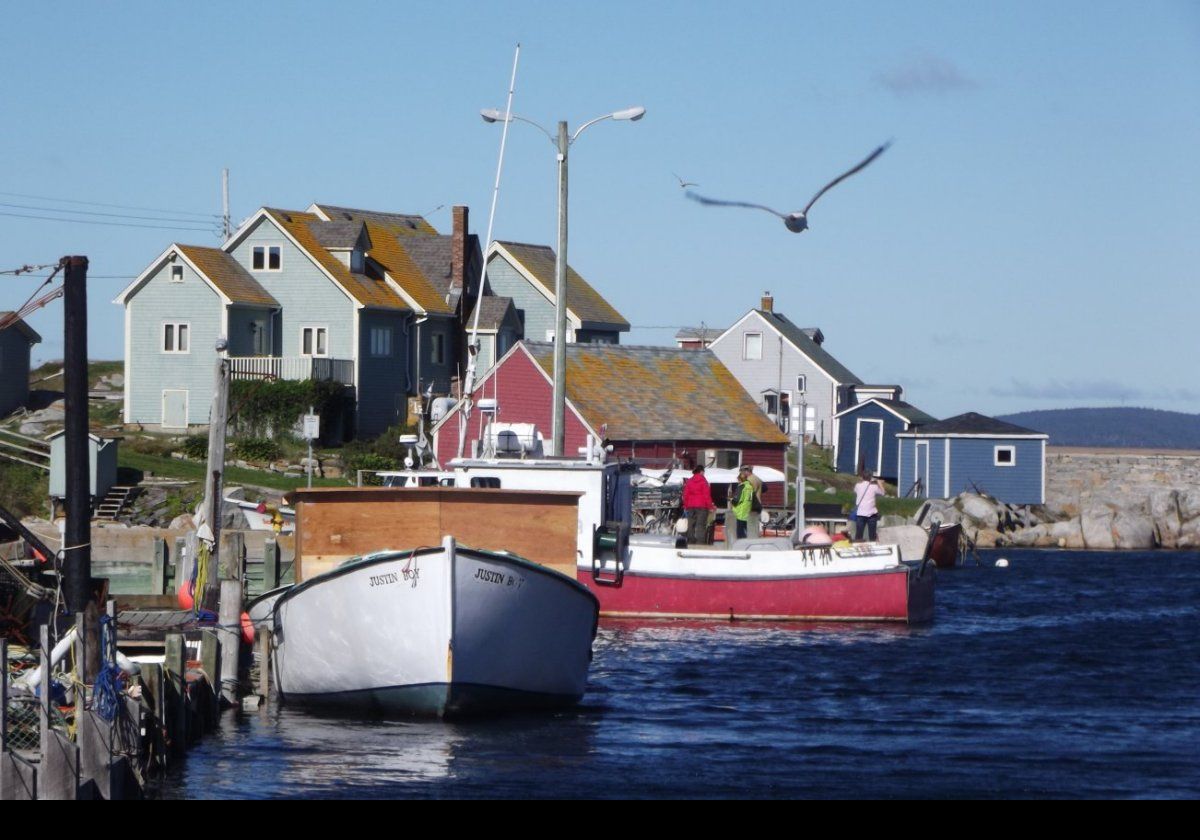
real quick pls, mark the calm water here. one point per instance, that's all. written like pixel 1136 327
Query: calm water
pixel 1069 674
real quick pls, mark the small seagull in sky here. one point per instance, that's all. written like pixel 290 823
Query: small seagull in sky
pixel 683 185
pixel 795 222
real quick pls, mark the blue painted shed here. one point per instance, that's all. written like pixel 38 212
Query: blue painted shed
pixel 970 453
pixel 102 464
pixel 16 339
pixel 866 435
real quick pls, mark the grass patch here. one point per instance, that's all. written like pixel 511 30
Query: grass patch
pixel 23 490
pixel 195 471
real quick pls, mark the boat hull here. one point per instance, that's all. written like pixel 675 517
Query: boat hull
pixel 945 551
pixel 435 632
pixel 779 588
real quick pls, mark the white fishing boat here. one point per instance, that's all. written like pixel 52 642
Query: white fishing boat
pixel 438 631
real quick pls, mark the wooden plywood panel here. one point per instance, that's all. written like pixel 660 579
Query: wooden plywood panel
pixel 334 525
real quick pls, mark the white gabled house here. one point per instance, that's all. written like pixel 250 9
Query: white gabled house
pixel 787 371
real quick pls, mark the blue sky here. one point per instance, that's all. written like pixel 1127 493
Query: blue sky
pixel 1028 242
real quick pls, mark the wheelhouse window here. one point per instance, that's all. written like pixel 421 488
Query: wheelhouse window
pixel 267 258
pixel 752 346
pixel 314 341
pixel 1006 456
pixel 175 337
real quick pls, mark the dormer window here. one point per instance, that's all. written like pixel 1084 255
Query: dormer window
pixel 267 258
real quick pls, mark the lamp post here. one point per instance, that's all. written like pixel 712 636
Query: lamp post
pixel 562 144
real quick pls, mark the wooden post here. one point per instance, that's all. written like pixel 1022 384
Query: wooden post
pixel 232 555
pixel 158 570
pixel 3 694
pixel 87 634
pixel 175 693
pixel 264 662
pixel 270 565
pixel 176 571
pixel 153 694
pixel 210 661
pixel 77 556
pixel 230 620
pixel 730 523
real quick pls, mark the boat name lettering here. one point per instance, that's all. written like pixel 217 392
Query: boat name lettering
pixel 385 579
pixel 488 576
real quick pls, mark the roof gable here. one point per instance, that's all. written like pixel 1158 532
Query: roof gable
pixel 585 305
pixel 800 340
pixel 908 413
pixel 226 275
pixel 976 424
pixel 11 320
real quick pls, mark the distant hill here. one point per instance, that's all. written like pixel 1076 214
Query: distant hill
pixel 1146 428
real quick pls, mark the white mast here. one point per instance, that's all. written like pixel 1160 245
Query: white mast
pixel 464 417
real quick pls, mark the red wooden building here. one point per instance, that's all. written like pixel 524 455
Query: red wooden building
pixel 655 405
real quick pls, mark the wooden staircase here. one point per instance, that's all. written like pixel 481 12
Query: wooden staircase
pixel 114 503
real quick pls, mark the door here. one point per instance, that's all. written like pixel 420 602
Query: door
pixel 174 409
pixel 921 469
pixel 868 445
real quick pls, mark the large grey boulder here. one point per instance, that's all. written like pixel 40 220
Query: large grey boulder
pixel 983 512
pixel 910 538
pixel 1068 534
pixel 1131 529
pixel 1096 522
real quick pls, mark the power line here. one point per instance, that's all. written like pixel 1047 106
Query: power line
pixel 211 230
pixel 115 206
pixel 99 213
pixel 26 269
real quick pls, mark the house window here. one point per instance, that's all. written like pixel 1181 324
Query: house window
pixel 176 273
pixel 381 341
pixel 1006 456
pixel 176 337
pixel 437 355
pixel 267 258
pixel 752 346
pixel 801 384
pixel 314 341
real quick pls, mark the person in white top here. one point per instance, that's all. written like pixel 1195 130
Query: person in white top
pixel 866 513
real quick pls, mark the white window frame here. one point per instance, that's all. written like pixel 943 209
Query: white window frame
pixel 266 249
pixel 176 268
pixel 381 342
pixel 317 329
pixel 437 349
pixel 174 349
pixel 746 346
pixel 1012 460
pixel 801 383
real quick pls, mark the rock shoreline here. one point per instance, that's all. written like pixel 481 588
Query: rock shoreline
pixel 1164 518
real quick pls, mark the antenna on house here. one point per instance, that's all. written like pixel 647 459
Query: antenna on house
pixel 464 418
pixel 226 228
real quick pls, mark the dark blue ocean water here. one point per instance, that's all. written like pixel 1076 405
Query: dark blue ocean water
pixel 1068 674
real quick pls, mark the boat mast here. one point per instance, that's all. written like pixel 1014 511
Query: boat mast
pixel 473 341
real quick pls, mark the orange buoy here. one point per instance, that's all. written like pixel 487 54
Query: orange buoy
pixel 185 597
pixel 247 629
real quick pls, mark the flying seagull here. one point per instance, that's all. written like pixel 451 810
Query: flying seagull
pixel 685 184
pixel 795 222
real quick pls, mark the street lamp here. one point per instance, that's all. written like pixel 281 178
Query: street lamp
pixel 562 144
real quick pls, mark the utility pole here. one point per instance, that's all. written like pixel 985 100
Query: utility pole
pixel 77 540
pixel 226 227
pixel 558 423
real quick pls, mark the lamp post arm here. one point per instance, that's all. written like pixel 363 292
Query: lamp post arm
pixel 579 130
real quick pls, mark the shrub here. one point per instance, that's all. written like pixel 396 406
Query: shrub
pixel 258 449
pixel 273 409
pixel 370 461
pixel 196 447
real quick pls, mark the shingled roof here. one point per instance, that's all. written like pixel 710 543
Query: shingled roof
pixel 9 320
pixel 341 235
pixel 803 341
pixel 492 309
pixel 658 393
pixel 910 413
pixel 976 424
pixel 406 224
pixel 227 274
pixel 584 302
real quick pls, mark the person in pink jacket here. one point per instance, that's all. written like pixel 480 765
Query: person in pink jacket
pixel 697 502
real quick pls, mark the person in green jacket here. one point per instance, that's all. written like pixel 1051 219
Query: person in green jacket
pixel 743 499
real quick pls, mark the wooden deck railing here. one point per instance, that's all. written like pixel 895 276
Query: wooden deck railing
pixel 294 368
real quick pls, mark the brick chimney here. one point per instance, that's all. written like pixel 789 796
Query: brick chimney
pixel 768 302
pixel 458 246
